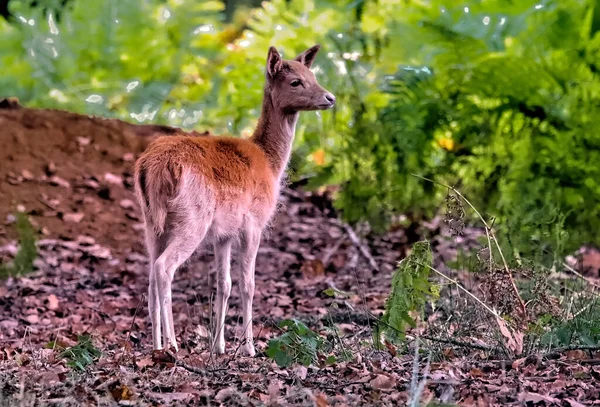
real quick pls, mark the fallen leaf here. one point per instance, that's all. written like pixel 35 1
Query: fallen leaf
pixel 537 398
pixel 514 340
pixel 274 389
pixel 312 268
pixel 52 302
pixel 576 354
pixel 321 400
pixel 121 392
pixel 144 362
pixel 73 217
pixel 476 372
pixel 170 398
pixel 382 382
pixel 162 357
pixel 113 179
pixel 518 363
pixel 126 204
pixel 32 319
pixel 301 372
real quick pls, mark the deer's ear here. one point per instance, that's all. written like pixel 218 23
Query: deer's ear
pixel 274 62
pixel 308 56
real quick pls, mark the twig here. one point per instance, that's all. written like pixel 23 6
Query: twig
pixel 364 250
pixel 488 230
pixel 193 369
pixel 135 315
pixel 329 254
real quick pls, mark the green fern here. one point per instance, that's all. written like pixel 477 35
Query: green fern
pixel 411 290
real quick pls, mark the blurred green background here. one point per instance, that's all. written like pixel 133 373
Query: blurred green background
pixel 500 98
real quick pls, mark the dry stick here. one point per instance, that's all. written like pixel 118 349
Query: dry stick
pixel 361 247
pixel 193 369
pixel 330 252
pixel 135 315
pixel 488 230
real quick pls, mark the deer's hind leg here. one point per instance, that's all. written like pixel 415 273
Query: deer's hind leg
pixel 153 245
pixel 187 224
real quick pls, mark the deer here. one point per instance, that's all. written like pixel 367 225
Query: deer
pixel 222 190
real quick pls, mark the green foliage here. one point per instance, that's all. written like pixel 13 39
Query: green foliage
pixel 411 289
pixel 298 344
pixel 79 356
pixel 27 253
pixel 500 99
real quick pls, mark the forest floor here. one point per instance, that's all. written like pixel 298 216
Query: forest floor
pixel 72 175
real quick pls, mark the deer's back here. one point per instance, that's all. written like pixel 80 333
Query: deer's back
pixel 235 171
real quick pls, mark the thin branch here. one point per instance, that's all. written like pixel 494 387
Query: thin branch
pixel 194 369
pixel 330 252
pixel 364 250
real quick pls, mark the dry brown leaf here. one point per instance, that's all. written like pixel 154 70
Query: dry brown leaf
pixel 300 371
pixel 121 393
pixel 162 357
pixel 312 268
pixel 321 400
pixel 32 319
pixel 144 362
pixel 537 398
pixel 382 382
pixel 52 302
pixel 514 339
pixel 476 372
pixel 518 363
pixel 576 354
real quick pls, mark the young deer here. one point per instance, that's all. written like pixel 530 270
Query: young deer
pixel 221 190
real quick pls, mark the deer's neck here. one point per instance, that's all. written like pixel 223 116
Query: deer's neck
pixel 274 134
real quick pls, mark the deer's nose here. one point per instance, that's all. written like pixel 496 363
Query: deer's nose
pixel 330 98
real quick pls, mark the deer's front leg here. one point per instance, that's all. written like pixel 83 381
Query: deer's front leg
pixel 250 245
pixel 223 263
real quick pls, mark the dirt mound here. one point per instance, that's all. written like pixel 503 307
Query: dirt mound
pixel 71 173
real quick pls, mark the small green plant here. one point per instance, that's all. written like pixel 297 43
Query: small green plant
pixel 411 289
pixel 81 355
pixel 297 344
pixel 23 261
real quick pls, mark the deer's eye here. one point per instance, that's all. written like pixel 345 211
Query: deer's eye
pixel 295 83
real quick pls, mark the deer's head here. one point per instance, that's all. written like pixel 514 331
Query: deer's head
pixel 292 85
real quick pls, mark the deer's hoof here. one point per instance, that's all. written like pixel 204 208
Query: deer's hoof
pixel 248 349
pixel 220 348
